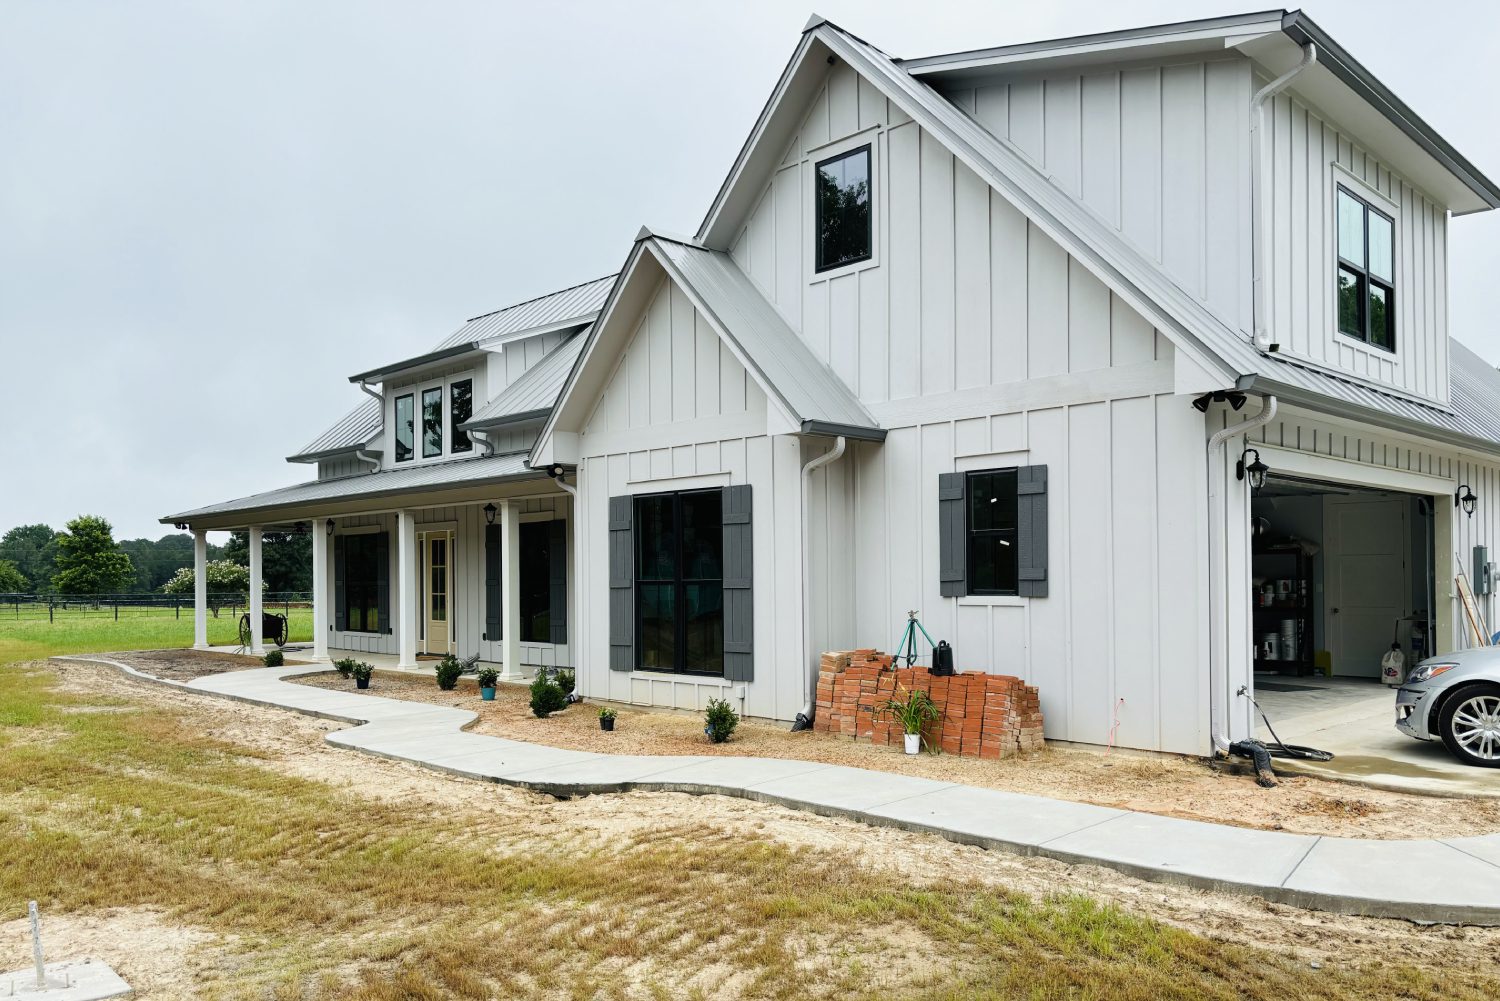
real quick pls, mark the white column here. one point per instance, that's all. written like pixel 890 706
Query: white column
pixel 200 589
pixel 406 589
pixel 257 639
pixel 321 598
pixel 510 590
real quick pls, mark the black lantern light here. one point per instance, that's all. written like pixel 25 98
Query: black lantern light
pixel 489 514
pixel 1466 498
pixel 328 526
pixel 1255 470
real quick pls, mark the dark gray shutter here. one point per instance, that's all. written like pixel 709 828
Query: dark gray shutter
pixel 382 582
pixel 1031 531
pixel 952 542
pixel 621 584
pixel 557 555
pixel 492 610
pixel 340 602
pixel 739 610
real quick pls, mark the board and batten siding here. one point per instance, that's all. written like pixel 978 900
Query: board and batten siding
pixel 384 642
pixel 679 411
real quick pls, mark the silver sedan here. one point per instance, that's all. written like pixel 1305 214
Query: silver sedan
pixel 1455 698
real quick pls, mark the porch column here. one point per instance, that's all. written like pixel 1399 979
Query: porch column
pixel 321 598
pixel 200 589
pixel 406 590
pixel 257 638
pixel 510 590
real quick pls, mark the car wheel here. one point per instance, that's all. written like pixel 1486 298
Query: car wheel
pixel 1470 725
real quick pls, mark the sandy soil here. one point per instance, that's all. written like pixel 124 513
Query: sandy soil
pixel 1163 784
pixel 184 665
pixel 154 956
pixel 293 744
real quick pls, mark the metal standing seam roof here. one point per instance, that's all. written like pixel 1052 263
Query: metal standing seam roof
pixel 356 429
pixel 814 395
pixel 410 479
pixel 532 395
pixel 580 302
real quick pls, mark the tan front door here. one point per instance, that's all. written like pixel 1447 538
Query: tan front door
pixel 438 552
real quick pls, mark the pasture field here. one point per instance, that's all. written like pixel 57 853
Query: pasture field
pixel 27 631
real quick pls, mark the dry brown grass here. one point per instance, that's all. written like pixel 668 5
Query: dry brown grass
pixel 319 891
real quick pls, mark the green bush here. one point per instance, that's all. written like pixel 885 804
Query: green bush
pixel 345 666
pixel 720 719
pixel 448 670
pixel 564 678
pixel 547 695
pixel 607 713
pixel 273 658
pixel 362 671
pixel 488 676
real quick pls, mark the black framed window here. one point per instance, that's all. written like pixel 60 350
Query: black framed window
pixel 680 582
pixel 461 408
pixel 361 590
pixel 1365 285
pixel 432 422
pixel 991 531
pixel 844 227
pixel 536 582
pixel 405 439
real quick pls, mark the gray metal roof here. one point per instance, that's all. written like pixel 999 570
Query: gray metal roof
pixel 387 482
pixel 532 395
pixel 576 305
pixel 383 372
pixel 807 388
pixel 355 430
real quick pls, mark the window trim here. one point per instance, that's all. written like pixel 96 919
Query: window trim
pixel 1365 278
pixel 970 531
pixel 679 588
pixel 411 454
pixel 868 149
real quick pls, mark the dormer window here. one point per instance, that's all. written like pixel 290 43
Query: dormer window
pixel 404 439
pixel 1366 287
pixel 461 405
pixel 845 234
pixel 432 422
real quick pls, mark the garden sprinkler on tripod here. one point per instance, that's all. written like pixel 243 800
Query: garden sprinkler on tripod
pixel 906 646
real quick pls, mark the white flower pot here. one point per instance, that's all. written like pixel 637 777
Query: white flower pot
pixel 913 743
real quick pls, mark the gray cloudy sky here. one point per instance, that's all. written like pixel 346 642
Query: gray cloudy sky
pixel 212 213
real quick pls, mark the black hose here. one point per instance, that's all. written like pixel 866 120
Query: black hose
pixel 1280 749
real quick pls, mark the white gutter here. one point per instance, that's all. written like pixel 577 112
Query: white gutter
pixel 1258 252
pixel 1218 673
pixel 809 679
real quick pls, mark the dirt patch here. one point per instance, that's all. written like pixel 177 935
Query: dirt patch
pixel 1169 785
pixel 184 665
pixel 156 957
pixel 293 744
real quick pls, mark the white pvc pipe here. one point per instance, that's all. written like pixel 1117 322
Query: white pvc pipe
pixel 810 679
pixel 1258 251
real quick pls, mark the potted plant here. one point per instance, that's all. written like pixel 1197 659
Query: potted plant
pixel 607 720
pixel 273 658
pixel 362 672
pixel 913 714
pixel 487 678
pixel 448 670
pixel 720 719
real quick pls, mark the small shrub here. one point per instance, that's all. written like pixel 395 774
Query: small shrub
pixel 274 658
pixel 362 671
pixel 488 676
pixel 721 719
pixel 448 670
pixel 564 678
pixel 546 695
pixel 607 714
pixel 345 666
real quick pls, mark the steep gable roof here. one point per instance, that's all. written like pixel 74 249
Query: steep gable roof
pixel 356 429
pixel 569 307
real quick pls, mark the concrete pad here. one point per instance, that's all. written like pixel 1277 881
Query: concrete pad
pixel 1145 843
pixel 605 771
pixel 988 816
pixel 1416 880
pixel 518 756
pixel 73 980
pixel 735 772
pixel 503 764
pixel 1486 847
pixel 838 788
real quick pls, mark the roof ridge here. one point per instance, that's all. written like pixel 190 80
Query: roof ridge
pixel 544 295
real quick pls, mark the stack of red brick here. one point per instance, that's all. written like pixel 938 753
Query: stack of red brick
pixel 983 715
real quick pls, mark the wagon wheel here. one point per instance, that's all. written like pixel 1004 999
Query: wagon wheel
pixel 281 630
pixel 245 636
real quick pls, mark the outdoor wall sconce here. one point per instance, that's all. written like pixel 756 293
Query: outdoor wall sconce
pixel 489 514
pixel 1255 470
pixel 1467 498
pixel 328 526
pixel 181 526
pixel 1233 397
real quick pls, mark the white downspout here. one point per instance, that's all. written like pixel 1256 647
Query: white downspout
pixel 1257 200
pixel 364 456
pixel 364 387
pixel 484 439
pixel 1218 674
pixel 809 679
pixel 574 577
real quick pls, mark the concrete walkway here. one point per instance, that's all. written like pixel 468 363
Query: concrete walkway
pixel 1454 880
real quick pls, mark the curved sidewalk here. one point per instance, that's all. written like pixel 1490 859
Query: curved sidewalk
pixel 1453 880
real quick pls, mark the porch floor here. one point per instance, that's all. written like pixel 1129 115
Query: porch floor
pixel 380 661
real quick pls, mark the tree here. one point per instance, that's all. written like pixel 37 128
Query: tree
pixel 227 582
pixel 285 558
pixel 88 561
pixel 32 548
pixel 12 581
pixel 156 561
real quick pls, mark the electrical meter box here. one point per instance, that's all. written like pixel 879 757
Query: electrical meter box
pixel 1484 571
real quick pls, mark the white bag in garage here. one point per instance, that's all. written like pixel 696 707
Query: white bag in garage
pixel 1393 664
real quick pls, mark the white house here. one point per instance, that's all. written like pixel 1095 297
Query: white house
pixel 985 335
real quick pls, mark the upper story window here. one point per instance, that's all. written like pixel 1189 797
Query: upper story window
pixel 404 428
pixel 432 422
pixel 461 407
pixel 1366 272
pixel 845 234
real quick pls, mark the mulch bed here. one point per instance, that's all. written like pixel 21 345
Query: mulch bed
pixel 184 665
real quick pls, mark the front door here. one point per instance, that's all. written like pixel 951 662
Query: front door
pixel 1365 538
pixel 437 552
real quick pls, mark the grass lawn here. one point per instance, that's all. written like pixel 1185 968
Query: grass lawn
pixel 87 631
pixel 321 890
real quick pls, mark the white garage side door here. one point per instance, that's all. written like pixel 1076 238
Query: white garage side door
pixel 1368 584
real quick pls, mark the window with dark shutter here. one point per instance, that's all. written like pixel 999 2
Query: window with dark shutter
pixel 992 532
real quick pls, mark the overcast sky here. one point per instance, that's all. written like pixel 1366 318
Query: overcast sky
pixel 211 214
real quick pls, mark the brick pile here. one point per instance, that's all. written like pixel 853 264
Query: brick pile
pixel 983 715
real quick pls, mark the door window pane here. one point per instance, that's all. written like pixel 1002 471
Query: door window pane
pixel 404 436
pixel 843 209
pixel 1351 318
pixel 432 422
pixel 1351 228
pixel 1382 265
pixel 461 407
pixel 438 575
